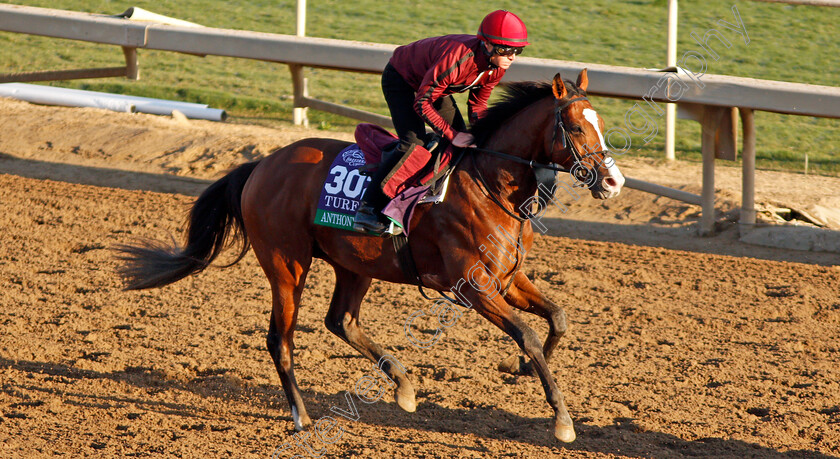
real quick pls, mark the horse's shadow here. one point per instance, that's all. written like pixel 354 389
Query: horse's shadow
pixel 484 421
pixel 625 438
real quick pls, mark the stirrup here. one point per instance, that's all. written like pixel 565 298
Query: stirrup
pixel 393 229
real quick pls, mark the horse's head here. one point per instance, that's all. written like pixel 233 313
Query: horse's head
pixel 576 141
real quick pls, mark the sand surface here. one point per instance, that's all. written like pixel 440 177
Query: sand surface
pixel 677 345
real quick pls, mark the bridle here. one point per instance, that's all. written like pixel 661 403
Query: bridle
pixel 579 170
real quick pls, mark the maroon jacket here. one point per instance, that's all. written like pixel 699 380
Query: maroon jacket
pixel 439 66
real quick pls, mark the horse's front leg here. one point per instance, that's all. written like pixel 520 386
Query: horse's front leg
pixel 525 296
pixel 501 314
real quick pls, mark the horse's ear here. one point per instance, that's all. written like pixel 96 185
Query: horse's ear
pixel 582 80
pixel 558 87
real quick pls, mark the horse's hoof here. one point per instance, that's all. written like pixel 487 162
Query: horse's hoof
pixel 405 399
pixel 564 433
pixel 516 365
pixel 301 421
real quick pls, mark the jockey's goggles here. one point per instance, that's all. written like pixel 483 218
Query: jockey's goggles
pixel 507 50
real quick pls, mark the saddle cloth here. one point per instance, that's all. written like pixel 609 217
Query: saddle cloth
pixel 408 186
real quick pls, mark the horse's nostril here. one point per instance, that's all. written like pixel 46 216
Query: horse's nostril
pixel 610 182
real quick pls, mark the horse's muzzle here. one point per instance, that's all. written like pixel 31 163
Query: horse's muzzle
pixel 607 184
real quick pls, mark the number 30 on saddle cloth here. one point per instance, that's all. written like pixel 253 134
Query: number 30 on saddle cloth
pixel 407 186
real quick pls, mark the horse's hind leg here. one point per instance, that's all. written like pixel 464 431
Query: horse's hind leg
pixel 343 320
pixel 525 296
pixel 286 289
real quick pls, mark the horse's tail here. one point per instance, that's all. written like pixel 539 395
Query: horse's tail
pixel 216 216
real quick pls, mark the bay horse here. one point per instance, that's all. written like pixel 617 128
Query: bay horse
pixel 271 203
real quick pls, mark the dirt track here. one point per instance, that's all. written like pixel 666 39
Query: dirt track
pixel 670 353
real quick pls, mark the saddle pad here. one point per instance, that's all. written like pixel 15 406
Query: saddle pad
pixel 343 190
pixel 345 185
pixel 401 208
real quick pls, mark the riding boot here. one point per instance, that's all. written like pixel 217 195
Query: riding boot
pixel 368 216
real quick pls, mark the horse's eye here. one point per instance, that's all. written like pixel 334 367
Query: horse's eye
pixel 576 129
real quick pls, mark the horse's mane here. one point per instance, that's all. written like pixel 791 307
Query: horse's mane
pixel 516 96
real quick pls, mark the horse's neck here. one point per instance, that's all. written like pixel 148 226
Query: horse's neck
pixel 509 182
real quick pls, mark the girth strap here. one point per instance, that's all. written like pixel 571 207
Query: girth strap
pixel 408 267
pixel 405 259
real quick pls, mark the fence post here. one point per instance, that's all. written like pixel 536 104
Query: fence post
pixel 671 109
pixel 710 123
pixel 132 69
pixel 748 172
pixel 298 80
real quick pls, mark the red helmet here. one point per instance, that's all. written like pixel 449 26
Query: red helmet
pixel 503 28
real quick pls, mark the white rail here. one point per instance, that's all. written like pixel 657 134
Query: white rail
pixel 710 103
pixel 607 80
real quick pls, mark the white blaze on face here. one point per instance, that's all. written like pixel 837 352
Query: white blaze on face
pixel 612 186
pixel 592 117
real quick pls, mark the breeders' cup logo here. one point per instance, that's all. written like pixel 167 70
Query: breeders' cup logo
pixel 354 157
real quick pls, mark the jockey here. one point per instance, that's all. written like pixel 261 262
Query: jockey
pixel 418 84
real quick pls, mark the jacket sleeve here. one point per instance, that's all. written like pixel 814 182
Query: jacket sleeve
pixel 436 80
pixel 477 102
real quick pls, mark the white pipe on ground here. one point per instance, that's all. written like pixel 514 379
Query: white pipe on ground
pixel 138 100
pixel 26 92
pixel 50 95
pixel 210 114
pixel 660 190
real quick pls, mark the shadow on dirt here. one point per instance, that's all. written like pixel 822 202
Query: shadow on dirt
pixel 725 242
pixel 96 176
pixel 625 438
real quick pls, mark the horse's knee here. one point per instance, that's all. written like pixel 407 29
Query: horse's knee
pixel 532 342
pixel 527 339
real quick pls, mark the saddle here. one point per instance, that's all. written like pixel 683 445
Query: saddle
pixel 420 167
pixel 421 175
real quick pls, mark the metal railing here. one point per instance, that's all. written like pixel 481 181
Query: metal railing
pixel 711 103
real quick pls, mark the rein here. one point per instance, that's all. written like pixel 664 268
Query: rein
pixel 480 179
pixel 529 162
pixel 558 125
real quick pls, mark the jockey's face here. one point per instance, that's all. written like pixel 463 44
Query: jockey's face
pixel 502 56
